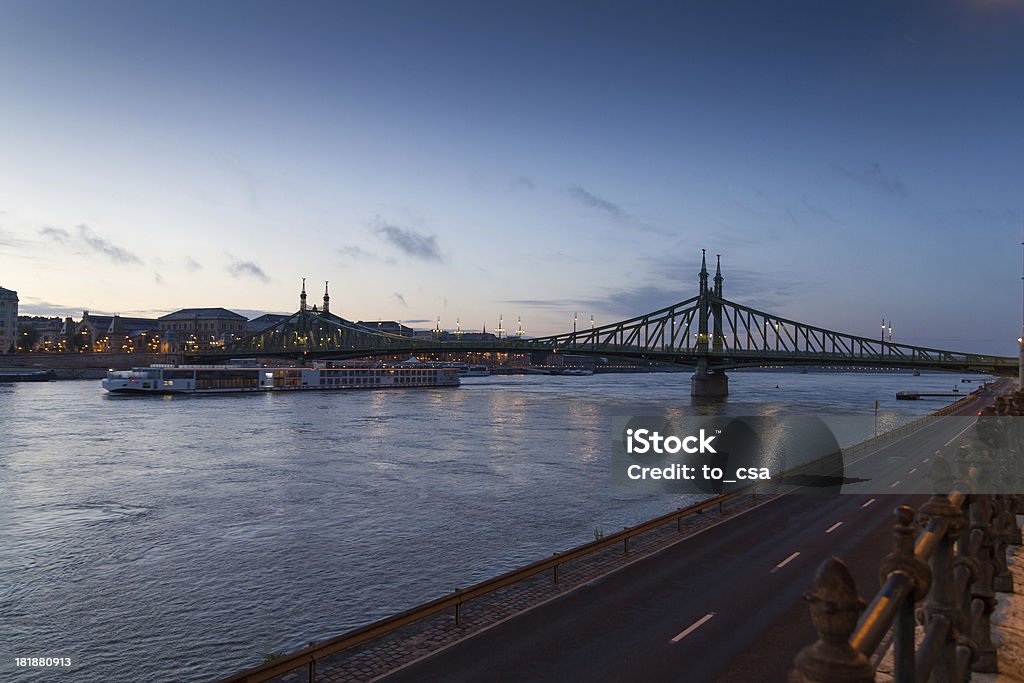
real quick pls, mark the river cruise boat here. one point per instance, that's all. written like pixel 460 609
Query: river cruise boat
pixel 218 379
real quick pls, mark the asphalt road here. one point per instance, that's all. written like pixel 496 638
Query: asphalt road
pixel 723 605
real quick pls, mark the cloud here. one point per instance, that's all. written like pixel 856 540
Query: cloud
pixel 401 299
pixel 556 304
pixel 875 179
pixel 85 240
pixel 247 269
pixel 587 199
pixel 358 254
pixel 158 278
pixel 667 281
pixel 407 240
pixel 191 265
pixel 819 213
pixel 105 247
pixel 614 211
pixel 524 183
pixel 58 234
pixel 34 306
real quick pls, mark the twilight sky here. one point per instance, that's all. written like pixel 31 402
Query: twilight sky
pixel 463 159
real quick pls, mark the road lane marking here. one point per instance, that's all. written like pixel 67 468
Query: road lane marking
pixel 868 503
pixel 893 485
pixel 786 561
pixel 693 627
pixel 833 527
pixel 926 460
pixel 958 435
pixel 912 471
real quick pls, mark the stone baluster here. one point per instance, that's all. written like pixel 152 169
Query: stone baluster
pixel 835 609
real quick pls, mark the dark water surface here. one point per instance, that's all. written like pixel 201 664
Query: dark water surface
pixel 181 539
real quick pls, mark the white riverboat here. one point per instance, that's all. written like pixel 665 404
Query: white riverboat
pixel 217 379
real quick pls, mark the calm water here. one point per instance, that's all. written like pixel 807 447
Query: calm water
pixel 181 539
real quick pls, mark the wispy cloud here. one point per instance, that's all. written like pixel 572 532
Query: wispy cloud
pixel 247 269
pixel 524 183
pixel 84 240
pixel 874 178
pixel 553 304
pixel 613 211
pixel 593 201
pixel 667 281
pixel 191 265
pixel 358 254
pixel 57 234
pixel 401 299
pixel 105 247
pixel 408 241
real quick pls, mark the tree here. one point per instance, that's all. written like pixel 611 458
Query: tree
pixel 28 335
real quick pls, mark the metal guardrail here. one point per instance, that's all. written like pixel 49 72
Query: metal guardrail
pixel 309 657
pixel 955 566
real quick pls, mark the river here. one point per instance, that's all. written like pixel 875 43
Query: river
pixel 180 539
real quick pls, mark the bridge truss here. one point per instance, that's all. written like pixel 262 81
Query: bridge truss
pixel 706 331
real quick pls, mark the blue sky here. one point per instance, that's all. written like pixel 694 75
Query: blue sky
pixel 464 159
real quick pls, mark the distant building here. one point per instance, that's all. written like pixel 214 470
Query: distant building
pixel 201 328
pixel 263 322
pixel 477 336
pixel 114 332
pixel 8 320
pixel 387 327
pixel 49 331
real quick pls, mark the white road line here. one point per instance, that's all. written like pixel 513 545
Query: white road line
pixel 868 503
pixel 786 561
pixel 912 471
pixel 926 460
pixel 893 485
pixel 833 527
pixel 958 435
pixel 694 626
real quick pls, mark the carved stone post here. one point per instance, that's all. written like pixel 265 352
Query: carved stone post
pixel 981 589
pixel 835 609
pixel 942 599
pixel 902 560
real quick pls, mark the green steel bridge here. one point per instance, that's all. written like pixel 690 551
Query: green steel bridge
pixel 707 332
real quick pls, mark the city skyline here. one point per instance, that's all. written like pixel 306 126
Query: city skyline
pixel 849 163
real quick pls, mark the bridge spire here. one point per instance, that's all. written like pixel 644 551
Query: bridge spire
pixel 718 334
pixel 703 272
pixel 718 277
pixel 327 298
pixel 302 296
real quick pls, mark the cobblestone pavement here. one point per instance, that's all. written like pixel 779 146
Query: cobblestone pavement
pixel 387 653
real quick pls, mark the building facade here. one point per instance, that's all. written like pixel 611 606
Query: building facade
pixel 201 328
pixel 48 332
pixel 113 333
pixel 8 320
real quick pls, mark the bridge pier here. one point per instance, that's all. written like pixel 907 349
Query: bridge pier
pixel 708 384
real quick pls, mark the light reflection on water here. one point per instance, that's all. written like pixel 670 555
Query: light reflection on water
pixel 184 538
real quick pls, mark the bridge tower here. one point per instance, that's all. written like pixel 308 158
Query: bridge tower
pixel 718 337
pixel 302 296
pixel 327 299
pixel 705 381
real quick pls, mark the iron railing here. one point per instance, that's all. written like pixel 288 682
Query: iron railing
pixel 953 569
